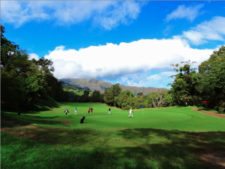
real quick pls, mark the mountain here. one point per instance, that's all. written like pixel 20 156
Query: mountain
pixel 93 84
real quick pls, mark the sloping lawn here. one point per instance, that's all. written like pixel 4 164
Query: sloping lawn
pixel 159 138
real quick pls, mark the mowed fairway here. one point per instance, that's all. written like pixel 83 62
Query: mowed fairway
pixel 158 138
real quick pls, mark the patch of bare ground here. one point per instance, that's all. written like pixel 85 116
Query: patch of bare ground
pixel 22 131
pixel 66 122
pixel 215 158
pixel 210 148
pixel 210 113
pixel 48 135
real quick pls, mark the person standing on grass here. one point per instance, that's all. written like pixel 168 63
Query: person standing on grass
pixel 66 111
pixel 75 110
pixel 130 114
pixel 89 110
pixel 109 111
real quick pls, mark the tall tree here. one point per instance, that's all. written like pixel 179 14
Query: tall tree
pixel 125 100
pixel 212 84
pixel 85 96
pixel 108 96
pixel 111 93
pixel 96 96
pixel 25 83
pixel 184 88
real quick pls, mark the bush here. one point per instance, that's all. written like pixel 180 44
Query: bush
pixel 221 107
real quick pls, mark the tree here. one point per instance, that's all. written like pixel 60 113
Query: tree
pixel 116 90
pixel 212 83
pixel 108 96
pixel 155 99
pixel 96 96
pixel 111 93
pixel 168 99
pixel 125 100
pixel 185 86
pixel 26 83
pixel 85 96
pixel 139 101
pixel 206 86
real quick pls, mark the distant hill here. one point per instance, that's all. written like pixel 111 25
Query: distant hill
pixel 93 84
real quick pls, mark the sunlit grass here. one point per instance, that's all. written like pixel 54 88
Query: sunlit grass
pixel 158 138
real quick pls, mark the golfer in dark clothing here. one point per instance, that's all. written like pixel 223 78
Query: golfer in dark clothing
pixel 82 119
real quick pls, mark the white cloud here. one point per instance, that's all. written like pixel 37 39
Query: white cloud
pixel 106 14
pixel 33 56
pixel 206 31
pixel 124 58
pixel 123 13
pixel 19 12
pixel 185 12
pixel 160 76
pixel 160 79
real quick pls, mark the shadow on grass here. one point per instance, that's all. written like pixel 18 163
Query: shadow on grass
pixel 52 136
pixel 183 152
pixel 183 148
pixel 179 150
pixel 14 120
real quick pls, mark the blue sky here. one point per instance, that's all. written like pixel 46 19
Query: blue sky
pixel 131 42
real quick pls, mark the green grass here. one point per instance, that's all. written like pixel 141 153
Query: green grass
pixel 172 118
pixel 158 138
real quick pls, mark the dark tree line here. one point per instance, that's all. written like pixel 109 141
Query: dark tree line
pixel 86 96
pixel 26 84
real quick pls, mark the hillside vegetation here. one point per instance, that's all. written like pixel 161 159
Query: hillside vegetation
pixel 93 84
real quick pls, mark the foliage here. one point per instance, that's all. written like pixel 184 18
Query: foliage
pixel 184 88
pixel 125 100
pixel 96 96
pixel 212 84
pixel 158 99
pixel 73 94
pixel 111 93
pixel 205 86
pixel 25 83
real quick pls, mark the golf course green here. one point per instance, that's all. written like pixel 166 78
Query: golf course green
pixel 157 138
